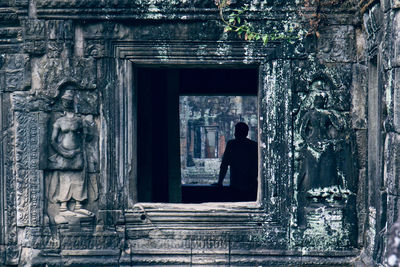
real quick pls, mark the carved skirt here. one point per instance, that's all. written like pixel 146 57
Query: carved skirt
pixel 68 185
pixel 58 162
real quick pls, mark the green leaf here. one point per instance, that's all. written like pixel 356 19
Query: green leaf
pixel 265 39
pixel 227 29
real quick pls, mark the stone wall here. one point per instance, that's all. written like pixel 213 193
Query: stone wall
pixel 326 125
pixel 380 63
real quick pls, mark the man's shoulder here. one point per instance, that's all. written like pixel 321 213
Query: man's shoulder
pixel 245 141
pixel 232 141
pixel 251 142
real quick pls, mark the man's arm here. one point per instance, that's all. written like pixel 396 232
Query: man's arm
pixel 222 172
pixel 224 164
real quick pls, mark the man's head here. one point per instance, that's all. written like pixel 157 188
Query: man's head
pixel 241 130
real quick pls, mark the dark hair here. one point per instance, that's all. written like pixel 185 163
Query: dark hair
pixel 241 129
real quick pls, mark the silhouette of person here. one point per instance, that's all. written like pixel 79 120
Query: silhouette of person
pixel 242 156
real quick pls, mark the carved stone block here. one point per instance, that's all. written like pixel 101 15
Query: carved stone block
pixel 17 80
pixel 393 249
pixel 29 198
pixel 109 218
pixel 58 48
pixel 392 122
pixel 385 4
pixel 5 3
pixel 40 238
pixel 95 48
pixel 72 159
pixel 325 171
pixel 16 62
pixel 393 204
pixel 34 33
pixel 29 179
pixel 21 3
pixel 84 70
pixel 337 44
pixel 395 4
pixel 25 102
pixel 10 183
pixel 16 72
pixel 316 236
pixel 34 29
pixel 359 97
pixel 392 38
pixel 361 140
pixel 51 72
pixel 59 29
pixel 392 162
pixel 87 102
pixel 76 240
pixel 12 255
pixel 389 40
pixel 35 47
pixel 27 137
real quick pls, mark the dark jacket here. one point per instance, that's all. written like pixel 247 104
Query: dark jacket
pixel 241 154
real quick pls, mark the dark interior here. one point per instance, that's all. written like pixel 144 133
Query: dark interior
pixel 158 91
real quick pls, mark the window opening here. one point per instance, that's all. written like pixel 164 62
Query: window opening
pixel 185 118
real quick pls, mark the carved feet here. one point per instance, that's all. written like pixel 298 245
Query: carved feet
pixel 84 212
pixel 69 216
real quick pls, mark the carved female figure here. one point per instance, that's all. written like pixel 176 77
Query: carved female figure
pixel 69 178
pixel 319 129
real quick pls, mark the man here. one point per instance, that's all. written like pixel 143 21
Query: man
pixel 242 156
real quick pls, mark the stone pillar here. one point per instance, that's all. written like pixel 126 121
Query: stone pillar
pixel 392 128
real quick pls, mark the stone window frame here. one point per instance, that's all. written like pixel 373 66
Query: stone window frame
pixel 275 123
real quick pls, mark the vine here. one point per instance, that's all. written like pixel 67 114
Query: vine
pixel 235 22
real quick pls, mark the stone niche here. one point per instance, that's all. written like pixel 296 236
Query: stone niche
pixel 86 95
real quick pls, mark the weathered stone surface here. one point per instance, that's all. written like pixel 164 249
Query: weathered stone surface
pixel 148 6
pixel 26 102
pixel 29 178
pixel 392 163
pixel 98 45
pixel 34 33
pixel 392 122
pixel 325 169
pixel 70 159
pixel 359 97
pixel 361 139
pixel 393 246
pixel 362 210
pixel 337 44
pixel 52 72
pixel 15 72
pixel 87 102
pixel 275 130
